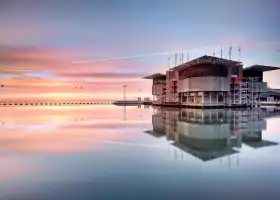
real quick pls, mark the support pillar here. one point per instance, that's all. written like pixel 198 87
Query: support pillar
pixel 180 97
pixel 202 98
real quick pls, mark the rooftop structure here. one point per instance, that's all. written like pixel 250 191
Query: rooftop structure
pixel 153 76
pixel 210 81
pixel 262 68
pixel 206 60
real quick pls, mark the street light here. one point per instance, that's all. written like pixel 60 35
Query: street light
pixel 124 92
pixel 140 92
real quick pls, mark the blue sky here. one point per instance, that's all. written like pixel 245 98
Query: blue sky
pixel 88 30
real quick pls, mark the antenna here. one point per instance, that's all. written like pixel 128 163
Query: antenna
pixel 214 52
pixel 239 52
pixel 182 57
pixel 169 64
pixel 230 49
pixel 188 56
pixel 175 59
pixel 221 51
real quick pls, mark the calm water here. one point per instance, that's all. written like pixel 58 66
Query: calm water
pixel 110 152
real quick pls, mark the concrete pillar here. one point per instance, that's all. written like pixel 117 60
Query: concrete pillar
pixel 210 98
pixel 202 98
pixel 202 116
pixel 228 141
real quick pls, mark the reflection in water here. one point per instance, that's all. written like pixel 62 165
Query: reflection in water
pixel 84 152
pixel 211 134
pixel 71 130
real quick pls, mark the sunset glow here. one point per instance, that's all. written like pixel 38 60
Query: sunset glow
pixel 51 55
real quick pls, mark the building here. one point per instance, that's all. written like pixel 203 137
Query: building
pixel 210 81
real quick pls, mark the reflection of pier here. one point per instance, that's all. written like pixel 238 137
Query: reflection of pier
pixel 211 134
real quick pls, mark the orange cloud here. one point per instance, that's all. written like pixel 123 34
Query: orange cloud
pixel 100 80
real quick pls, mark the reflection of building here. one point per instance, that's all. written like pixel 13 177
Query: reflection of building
pixel 158 121
pixel 210 81
pixel 210 134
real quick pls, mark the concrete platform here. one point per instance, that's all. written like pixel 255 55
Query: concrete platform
pixel 199 106
pixel 270 103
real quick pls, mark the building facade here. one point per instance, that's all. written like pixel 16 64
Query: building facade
pixel 210 81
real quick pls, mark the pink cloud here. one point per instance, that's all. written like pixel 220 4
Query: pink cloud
pixel 98 79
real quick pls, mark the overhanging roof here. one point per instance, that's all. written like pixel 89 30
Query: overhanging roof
pixel 262 68
pixel 157 75
pixel 206 60
pixel 155 134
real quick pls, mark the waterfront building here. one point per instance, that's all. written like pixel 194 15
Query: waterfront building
pixel 210 81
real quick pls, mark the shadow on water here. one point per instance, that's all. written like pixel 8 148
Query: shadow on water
pixel 211 134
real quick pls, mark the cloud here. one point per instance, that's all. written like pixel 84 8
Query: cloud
pixel 23 54
pixel 18 60
pixel 110 75
pixel 37 72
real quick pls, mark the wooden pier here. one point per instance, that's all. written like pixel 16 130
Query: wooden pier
pixel 53 103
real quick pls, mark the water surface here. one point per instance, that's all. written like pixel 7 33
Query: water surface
pixel 111 152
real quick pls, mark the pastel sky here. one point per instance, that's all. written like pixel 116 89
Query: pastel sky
pixel 45 45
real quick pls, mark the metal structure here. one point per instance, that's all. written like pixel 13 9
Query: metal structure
pixel 239 91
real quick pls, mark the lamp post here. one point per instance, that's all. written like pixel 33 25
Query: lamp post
pixel 124 92
pixel 140 92
pixel 2 86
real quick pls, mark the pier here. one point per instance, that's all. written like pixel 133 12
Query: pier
pixel 53 103
pixel 5 103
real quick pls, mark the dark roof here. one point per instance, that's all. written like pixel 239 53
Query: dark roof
pixel 205 155
pixel 274 92
pixel 157 75
pixel 155 134
pixel 261 68
pixel 207 60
